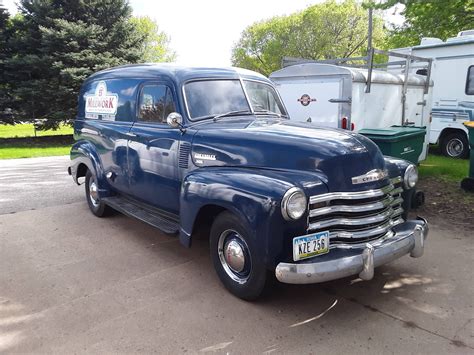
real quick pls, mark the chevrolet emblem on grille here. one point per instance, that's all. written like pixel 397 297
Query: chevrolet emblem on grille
pixel 373 175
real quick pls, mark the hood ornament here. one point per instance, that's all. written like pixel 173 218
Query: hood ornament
pixel 373 175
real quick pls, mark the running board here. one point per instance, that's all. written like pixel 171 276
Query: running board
pixel 144 213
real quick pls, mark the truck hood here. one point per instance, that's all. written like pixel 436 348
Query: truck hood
pixel 334 154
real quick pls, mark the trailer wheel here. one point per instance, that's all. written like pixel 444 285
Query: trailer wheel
pixel 455 145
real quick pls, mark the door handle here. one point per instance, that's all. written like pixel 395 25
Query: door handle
pixel 340 101
pixel 130 134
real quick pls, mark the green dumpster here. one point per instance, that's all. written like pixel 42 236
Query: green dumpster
pixel 398 141
pixel 468 183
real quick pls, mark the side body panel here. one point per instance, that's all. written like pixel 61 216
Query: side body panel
pixel 108 133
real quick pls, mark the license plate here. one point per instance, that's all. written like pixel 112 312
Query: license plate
pixel 310 245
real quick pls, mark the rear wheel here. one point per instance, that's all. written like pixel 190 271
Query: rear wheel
pixel 235 259
pixel 97 207
pixel 455 145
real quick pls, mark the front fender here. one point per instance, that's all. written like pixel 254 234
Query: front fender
pixel 254 195
pixel 396 167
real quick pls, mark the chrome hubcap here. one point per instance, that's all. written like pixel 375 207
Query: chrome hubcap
pixel 234 256
pixel 455 147
pixel 93 193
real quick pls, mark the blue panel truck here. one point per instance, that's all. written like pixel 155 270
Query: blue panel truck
pixel 212 150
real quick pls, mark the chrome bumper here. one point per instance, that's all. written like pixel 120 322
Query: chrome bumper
pixel 346 260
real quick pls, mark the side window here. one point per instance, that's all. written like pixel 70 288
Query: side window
pixel 470 81
pixel 422 72
pixel 108 100
pixel 156 102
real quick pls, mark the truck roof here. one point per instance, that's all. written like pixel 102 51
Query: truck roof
pixel 175 72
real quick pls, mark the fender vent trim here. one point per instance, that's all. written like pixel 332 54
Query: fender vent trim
pixel 184 150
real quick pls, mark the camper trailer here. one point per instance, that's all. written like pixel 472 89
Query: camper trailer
pixel 452 72
pixel 353 98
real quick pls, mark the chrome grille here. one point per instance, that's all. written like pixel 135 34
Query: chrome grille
pixel 355 217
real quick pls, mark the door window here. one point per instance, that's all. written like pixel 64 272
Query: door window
pixel 263 97
pixel 156 103
pixel 470 81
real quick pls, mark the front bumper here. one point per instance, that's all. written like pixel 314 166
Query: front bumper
pixel 346 260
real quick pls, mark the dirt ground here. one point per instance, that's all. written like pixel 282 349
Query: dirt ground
pixel 447 204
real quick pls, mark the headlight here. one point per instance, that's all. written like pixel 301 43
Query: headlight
pixel 411 177
pixel 293 204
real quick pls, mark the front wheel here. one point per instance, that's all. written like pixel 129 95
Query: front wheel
pixel 97 207
pixel 235 258
pixel 455 145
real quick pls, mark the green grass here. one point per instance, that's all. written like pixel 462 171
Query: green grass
pixel 27 130
pixel 30 152
pixel 445 168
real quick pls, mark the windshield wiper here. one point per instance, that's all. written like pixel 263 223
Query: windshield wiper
pixel 268 112
pixel 231 113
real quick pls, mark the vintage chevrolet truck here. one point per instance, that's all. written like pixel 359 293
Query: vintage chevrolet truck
pixel 211 150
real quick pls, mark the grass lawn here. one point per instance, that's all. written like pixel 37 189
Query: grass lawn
pixel 27 130
pixel 14 152
pixel 445 168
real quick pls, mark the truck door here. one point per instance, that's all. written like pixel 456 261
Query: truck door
pixel 313 100
pixel 153 149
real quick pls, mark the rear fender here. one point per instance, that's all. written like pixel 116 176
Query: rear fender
pixel 84 153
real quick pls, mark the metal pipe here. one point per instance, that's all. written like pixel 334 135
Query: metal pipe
pixel 369 36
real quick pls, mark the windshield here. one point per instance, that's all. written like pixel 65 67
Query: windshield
pixel 211 98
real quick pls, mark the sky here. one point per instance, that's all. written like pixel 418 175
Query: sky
pixel 203 31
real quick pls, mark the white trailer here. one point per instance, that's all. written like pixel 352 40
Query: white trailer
pixel 354 98
pixel 452 72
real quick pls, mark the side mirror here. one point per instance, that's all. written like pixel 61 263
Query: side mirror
pixel 174 120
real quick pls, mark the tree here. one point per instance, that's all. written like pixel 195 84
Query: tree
pixel 429 18
pixel 4 54
pixel 56 44
pixel 323 31
pixel 156 45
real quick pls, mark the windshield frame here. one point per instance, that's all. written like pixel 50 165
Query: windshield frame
pixel 242 84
